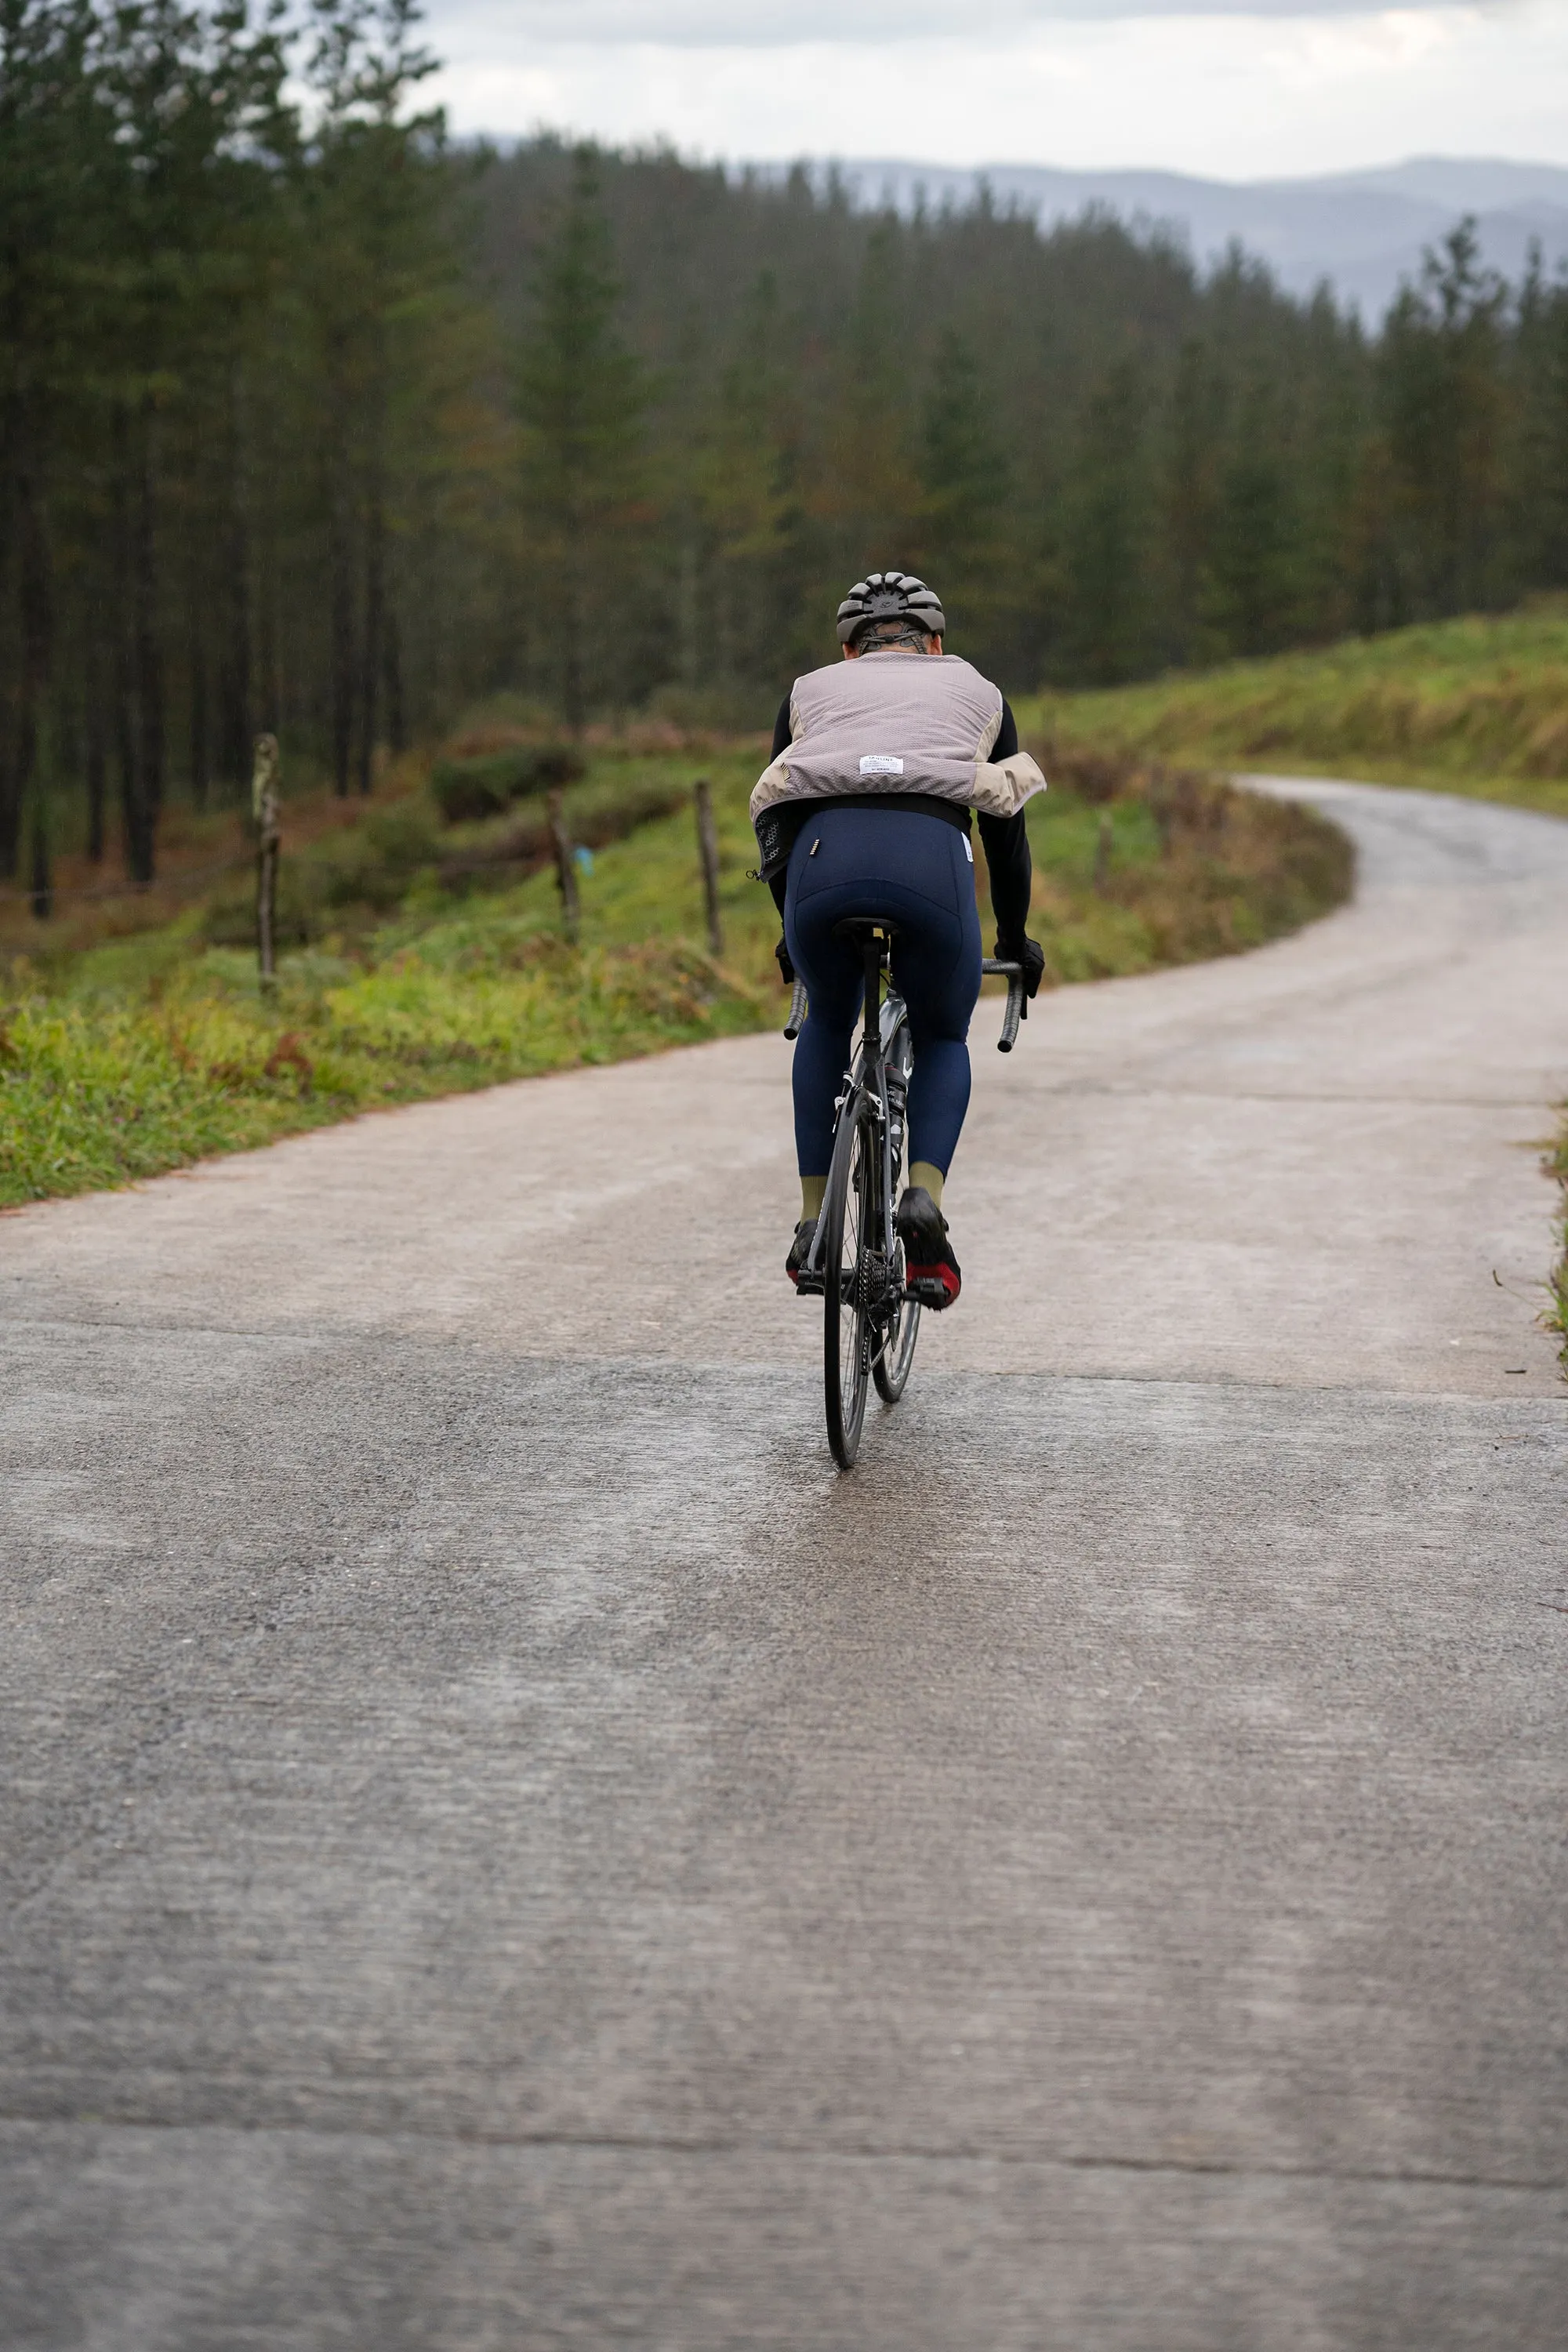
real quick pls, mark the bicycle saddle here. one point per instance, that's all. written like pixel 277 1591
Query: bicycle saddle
pixel 865 928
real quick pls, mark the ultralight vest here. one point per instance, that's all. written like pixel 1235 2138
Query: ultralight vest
pixel 897 723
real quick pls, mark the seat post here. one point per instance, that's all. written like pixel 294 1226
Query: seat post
pixel 874 945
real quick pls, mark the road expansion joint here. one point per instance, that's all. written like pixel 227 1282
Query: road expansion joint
pixel 1376 1098
pixel 356 1339
pixel 867 2152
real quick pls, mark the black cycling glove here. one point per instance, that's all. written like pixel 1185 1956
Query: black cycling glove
pixel 786 969
pixel 1030 954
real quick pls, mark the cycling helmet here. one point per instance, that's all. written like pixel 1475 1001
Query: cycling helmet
pixel 890 596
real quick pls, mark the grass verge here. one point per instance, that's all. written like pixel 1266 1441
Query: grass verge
pixel 1477 706
pixel 96 1095
pixel 424 964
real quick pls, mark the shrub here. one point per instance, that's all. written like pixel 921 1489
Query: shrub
pixel 369 865
pixel 594 818
pixel 473 785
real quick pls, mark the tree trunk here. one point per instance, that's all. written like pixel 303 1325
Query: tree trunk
pixel 93 690
pixel 41 889
pixel 235 675
pixel 200 748
pixel 10 799
pixel 572 694
pixel 148 655
pixel 371 641
pixel 235 678
pixel 135 814
pixel 36 614
pixel 397 723
pixel 342 630
pixel 688 653
pixel 267 648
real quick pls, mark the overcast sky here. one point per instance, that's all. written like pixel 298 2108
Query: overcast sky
pixel 1232 93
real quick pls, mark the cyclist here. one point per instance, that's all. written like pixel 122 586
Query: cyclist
pixel 877 761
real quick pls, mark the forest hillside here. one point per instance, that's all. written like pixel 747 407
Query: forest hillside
pixel 313 422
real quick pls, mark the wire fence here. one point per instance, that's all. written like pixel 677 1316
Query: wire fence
pixel 556 846
pixel 179 879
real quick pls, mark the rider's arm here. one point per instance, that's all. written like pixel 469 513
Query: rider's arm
pixel 1006 846
pixel 783 735
pixel 784 731
pixel 1006 842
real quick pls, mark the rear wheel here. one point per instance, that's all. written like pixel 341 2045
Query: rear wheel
pixel 895 1350
pixel 897 1353
pixel 849 1225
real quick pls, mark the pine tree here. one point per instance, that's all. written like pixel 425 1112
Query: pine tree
pixel 54 148
pixel 581 397
pixel 965 477
pixel 1252 591
pixel 1109 511
pixel 1444 395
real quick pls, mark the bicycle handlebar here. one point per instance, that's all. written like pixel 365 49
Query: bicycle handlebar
pixel 1017 1004
pixel 1017 1007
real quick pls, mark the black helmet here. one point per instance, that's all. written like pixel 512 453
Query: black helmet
pixel 890 596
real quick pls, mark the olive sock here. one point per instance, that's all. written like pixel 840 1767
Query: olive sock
pixel 922 1172
pixel 812 1189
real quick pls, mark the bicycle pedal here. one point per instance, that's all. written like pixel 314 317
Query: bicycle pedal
pixel 810 1286
pixel 926 1290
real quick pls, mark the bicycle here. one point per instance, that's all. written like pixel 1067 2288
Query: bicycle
pixel 871 1306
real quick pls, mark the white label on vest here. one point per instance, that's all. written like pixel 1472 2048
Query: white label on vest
pixel 878 763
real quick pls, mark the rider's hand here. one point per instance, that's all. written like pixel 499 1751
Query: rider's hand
pixel 1030 954
pixel 786 969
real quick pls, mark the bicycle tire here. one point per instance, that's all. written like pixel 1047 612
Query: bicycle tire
pixel 890 1365
pixel 891 1361
pixel 848 1216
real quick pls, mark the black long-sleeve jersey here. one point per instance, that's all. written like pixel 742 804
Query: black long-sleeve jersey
pixel 1004 839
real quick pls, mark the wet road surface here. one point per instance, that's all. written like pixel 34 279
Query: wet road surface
pixel 503 1847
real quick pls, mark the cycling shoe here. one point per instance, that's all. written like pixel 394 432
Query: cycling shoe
pixel 931 1270
pixel 799 1251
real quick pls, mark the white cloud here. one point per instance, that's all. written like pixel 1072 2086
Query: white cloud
pixel 786 24
pixel 1230 97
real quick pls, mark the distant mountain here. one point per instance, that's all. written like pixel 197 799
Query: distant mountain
pixel 1361 231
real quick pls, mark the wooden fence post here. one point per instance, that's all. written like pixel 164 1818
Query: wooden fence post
pixel 566 869
pixel 263 792
pixel 708 849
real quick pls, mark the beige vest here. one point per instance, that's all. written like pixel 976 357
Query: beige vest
pixel 898 722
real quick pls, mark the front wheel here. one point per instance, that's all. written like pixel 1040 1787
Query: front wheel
pixel 851 1224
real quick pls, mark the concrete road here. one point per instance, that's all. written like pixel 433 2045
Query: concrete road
pixel 505 1848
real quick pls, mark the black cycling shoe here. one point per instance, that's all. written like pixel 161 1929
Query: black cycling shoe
pixel 931 1270
pixel 799 1251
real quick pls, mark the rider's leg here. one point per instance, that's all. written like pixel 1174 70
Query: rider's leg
pixel 938 975
pixel 917 871
pixel 831 970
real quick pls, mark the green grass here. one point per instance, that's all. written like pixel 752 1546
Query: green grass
pixel 96 1095
pixel 1477 706
pixel 419 970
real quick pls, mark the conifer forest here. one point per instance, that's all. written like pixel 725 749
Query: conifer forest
pixel 313 420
